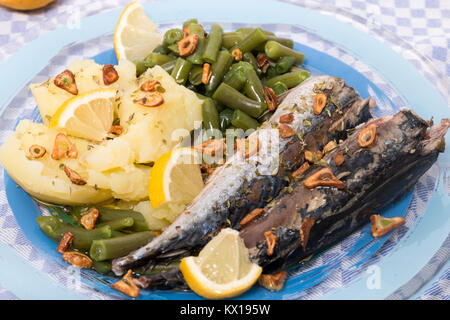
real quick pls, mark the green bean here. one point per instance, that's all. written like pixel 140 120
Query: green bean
pixel 213 43
pixel 243 120
pixel 290 79
pixel 168 66
pixel 154 59
pixel 295 69
pixel 279 88
pixel 200 96
pixel 236 76
pixel 218 70
pixel 253 88
pixel 245 31
pixel 248 30
pixel 55 229
pixel 103 267
pixel 141 67
pixel 118 224
pixel 225 118
pixel 271 72
pixel 106 249
pixel 241 66
pixel 250 58
pixel 251 41
pixel 210 114
pixel 195 76
pixel 173 55
pixel 236 100
pixel 287 42
pixel 110 214
pixel 181 71
pixel 232 33
pixel 197 56
pixel 284 64
pixel 284 41
pixel 115 234
pixel 195 28
pixel 161 49
pixel 229 40
pixel 173 48
pixel 275 50
pixel 187 23
pixel 235 79
pixel 220 106
pixel 172 36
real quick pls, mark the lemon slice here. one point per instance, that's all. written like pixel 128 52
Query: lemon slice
pixel 135 35
pixel 88 115
pixel 175 177
pixel 222 269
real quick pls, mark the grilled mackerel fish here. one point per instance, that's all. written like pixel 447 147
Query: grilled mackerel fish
pixel 382 160
pixel 243 184
pixel 325 206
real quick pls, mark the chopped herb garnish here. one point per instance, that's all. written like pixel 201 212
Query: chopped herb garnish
pixel 307 123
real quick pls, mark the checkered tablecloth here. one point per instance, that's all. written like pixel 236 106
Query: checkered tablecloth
pixel 424 24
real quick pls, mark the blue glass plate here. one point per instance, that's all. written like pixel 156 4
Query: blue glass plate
pixel 331 47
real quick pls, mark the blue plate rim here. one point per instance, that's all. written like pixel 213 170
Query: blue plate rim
pixel 292 14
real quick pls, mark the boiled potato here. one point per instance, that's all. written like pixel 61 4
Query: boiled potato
pixel 42 178
pixel 112 154
pixel 131 112
pixel 150 131
pixel 161 217
pixel 88 77
pixel 168 211
pixel 45 179
pixel 145 209
pixel 112 168
pixel 129 183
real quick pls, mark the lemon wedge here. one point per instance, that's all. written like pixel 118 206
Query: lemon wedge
pixel 222 269
pixel 135 35
pixel 89 115
pixel 175 177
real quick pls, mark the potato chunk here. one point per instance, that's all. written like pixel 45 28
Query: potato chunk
pixel 88 76
pixel 45 178
pixel 149 132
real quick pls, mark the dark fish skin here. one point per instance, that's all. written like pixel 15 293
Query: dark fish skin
pixel 374 177
pixel 264 188
pixel 218 206
pixel 167 280
pixel 379 176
